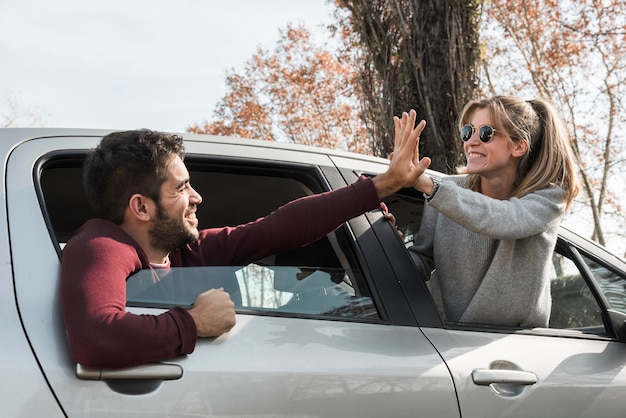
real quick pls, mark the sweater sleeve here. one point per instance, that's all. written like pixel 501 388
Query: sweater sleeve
pixel 100 332
pixel 500 219
pixel 293 225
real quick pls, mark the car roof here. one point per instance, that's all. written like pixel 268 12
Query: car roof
pixel 17 135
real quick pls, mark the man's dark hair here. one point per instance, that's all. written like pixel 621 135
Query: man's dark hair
pixel 126 163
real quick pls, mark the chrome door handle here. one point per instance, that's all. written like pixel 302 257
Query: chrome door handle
pixel 500 376
pixel 154 371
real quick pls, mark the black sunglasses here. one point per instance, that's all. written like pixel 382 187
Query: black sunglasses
pixel 485 133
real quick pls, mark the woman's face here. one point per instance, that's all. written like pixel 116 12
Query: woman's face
pixel 496 158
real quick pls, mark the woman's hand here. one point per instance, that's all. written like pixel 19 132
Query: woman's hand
pixel 405 167
pixel 404 130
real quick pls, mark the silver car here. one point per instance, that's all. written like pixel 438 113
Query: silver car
pixel 344 327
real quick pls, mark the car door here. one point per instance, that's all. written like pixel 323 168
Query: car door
pixel 575 368
pixel 288 362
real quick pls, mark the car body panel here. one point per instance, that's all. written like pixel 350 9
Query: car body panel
pixel 23 388
pixel 575 377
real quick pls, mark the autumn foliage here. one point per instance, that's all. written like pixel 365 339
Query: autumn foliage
pixel 300 93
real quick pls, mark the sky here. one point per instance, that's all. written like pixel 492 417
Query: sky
pixel 133 64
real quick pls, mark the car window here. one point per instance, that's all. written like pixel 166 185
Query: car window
pixel 574 305
pixel 321 279
pixel 611 283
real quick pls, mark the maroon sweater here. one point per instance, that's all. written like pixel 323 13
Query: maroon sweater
pixel 99 258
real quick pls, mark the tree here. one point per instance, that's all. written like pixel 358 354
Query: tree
pixel 14 114
pixel 418 55
pixel 573 52
pixel 301 92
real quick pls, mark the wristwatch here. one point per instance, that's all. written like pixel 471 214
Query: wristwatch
pixel 436 184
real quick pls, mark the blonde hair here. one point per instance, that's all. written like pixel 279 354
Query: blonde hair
pixel 548 160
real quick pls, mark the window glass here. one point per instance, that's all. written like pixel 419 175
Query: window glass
pixel 612 284
pixel 297 290
pixel 573 303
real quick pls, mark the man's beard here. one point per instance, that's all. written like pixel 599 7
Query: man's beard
pixel 170 233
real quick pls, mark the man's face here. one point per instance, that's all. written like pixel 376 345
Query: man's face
pixel 176 223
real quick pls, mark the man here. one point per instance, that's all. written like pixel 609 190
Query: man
pixel 139 187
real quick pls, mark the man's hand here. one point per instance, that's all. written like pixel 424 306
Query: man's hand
pixel 213 312
pixel 405 166
pixel 390 216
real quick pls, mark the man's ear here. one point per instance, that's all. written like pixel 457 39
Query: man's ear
pixel 519 148
pixel 141 207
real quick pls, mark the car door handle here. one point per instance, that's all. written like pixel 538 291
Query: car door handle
pixel 499 376
pixel 153 371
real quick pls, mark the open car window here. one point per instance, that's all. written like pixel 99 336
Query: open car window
pixel 325 292
pixel 323 278
pixel 582 288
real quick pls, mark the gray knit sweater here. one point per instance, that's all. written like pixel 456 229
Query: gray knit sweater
pixel 492 257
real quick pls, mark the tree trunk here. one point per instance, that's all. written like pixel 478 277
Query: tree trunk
pixel 422 55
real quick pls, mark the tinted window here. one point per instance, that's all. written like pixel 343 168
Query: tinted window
pixel 611 283
pixel 573 303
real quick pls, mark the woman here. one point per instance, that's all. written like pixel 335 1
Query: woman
pixel 490 232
